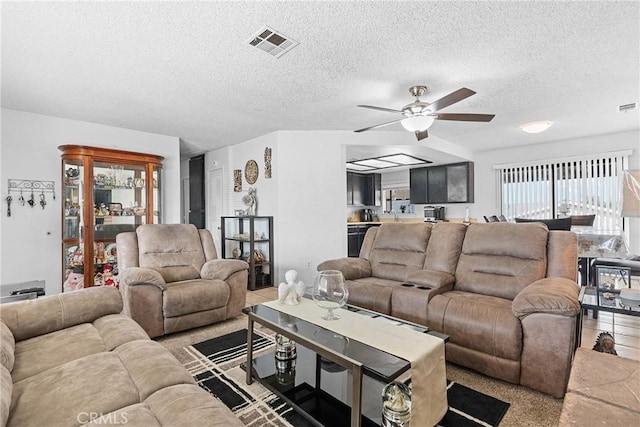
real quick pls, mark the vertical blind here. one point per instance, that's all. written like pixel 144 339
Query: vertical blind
pixel 564 187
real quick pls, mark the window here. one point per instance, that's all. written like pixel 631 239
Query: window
pixel 395 199
pixel 564 187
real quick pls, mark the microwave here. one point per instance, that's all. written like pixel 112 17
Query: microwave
pixel 434 213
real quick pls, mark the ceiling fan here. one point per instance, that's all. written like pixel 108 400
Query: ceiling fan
pixel 419 116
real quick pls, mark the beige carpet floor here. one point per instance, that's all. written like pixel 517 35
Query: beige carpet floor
pixel 528 408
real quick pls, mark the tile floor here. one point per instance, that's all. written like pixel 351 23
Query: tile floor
pixel 625 328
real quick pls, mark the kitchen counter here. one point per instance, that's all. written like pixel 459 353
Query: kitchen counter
pixel 401 220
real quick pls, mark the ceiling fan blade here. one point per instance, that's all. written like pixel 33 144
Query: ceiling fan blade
pixel 452 98
pixel 465 117
pixel 378 126
pixel 388 110
pixel 421 134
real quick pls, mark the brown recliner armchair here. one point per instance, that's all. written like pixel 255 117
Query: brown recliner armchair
pixel 171 278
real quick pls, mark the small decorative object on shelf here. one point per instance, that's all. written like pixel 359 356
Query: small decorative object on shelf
pixel 250 201
pixel 396 405
pixel 285 355
pixel 292 291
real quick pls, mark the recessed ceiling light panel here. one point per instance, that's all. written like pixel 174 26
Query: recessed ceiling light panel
pixel 385 162
pixel 536 127
pixel 355 167
pixel 271 41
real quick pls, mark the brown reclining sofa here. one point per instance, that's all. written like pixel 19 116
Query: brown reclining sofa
pixel 505 293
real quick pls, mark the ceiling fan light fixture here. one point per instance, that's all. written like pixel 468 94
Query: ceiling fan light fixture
pixel 417 123
pixel 536 127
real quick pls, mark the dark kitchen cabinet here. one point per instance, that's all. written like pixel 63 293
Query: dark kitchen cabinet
pixel 364 189
pixel 355 237
pixel 196 192
pixel 452 183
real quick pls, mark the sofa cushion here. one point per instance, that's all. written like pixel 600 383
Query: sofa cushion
pixel 399 249
pixel 478 322
pixel 193 296
pixel 7 347
pixel 174 250
pixel 372 293
pixel 25 319
pixel 189 405
pixel 97 383
pixel 445 245
pixel 151 367
pixel 501 259
pixel 6 389
pixel 43 352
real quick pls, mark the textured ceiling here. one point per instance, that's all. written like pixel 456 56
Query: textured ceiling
pixel 185 69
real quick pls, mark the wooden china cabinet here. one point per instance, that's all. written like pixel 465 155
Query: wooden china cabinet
pixel 106 192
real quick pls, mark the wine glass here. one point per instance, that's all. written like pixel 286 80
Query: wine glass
pixel 330 292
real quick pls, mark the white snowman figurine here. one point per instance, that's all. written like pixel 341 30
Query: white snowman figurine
pixel 291 292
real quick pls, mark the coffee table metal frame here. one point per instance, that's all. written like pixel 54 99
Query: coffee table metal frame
pixel 355 366
pixel 591 299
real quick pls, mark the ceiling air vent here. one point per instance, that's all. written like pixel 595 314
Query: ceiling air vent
pixel 272 42
pixel 627 107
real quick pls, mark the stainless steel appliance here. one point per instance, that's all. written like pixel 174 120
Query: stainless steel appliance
pixel 366 215
pixel 434 213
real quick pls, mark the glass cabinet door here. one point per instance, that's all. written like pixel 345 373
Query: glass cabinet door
pixel 72 229
pixel 157 200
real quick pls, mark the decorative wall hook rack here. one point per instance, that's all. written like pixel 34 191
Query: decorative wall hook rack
pixel 30 186
pixel 38 186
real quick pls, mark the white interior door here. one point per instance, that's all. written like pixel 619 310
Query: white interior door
pixel 214 204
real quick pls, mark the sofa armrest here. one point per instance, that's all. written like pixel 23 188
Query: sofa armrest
pixel 222 269
pixel 552 295
pixel 28 319
pixel 432 279
pixel 351 268
pixel 142 276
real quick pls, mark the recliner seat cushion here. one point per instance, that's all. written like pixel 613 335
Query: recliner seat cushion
pixel 372 293
pixel 479 322
pixel 399 249
pixel 501 259
pixel 193 296
pixel 173 250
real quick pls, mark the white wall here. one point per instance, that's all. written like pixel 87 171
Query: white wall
pixel 486 199
pixel 30 240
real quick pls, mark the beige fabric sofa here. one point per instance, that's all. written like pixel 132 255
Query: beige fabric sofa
pixel 72 358
pixel 172 280
pixel 505 293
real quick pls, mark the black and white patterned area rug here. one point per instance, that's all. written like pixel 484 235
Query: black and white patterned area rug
pixel 215 366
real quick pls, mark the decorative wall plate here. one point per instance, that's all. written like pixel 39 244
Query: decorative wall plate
pixel 251 172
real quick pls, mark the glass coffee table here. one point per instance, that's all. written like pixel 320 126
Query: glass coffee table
pixel 592 299
pixel 333 380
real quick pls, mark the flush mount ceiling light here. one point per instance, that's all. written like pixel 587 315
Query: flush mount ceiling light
pixel 271 41
pixel 383 162
pixel 536 127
